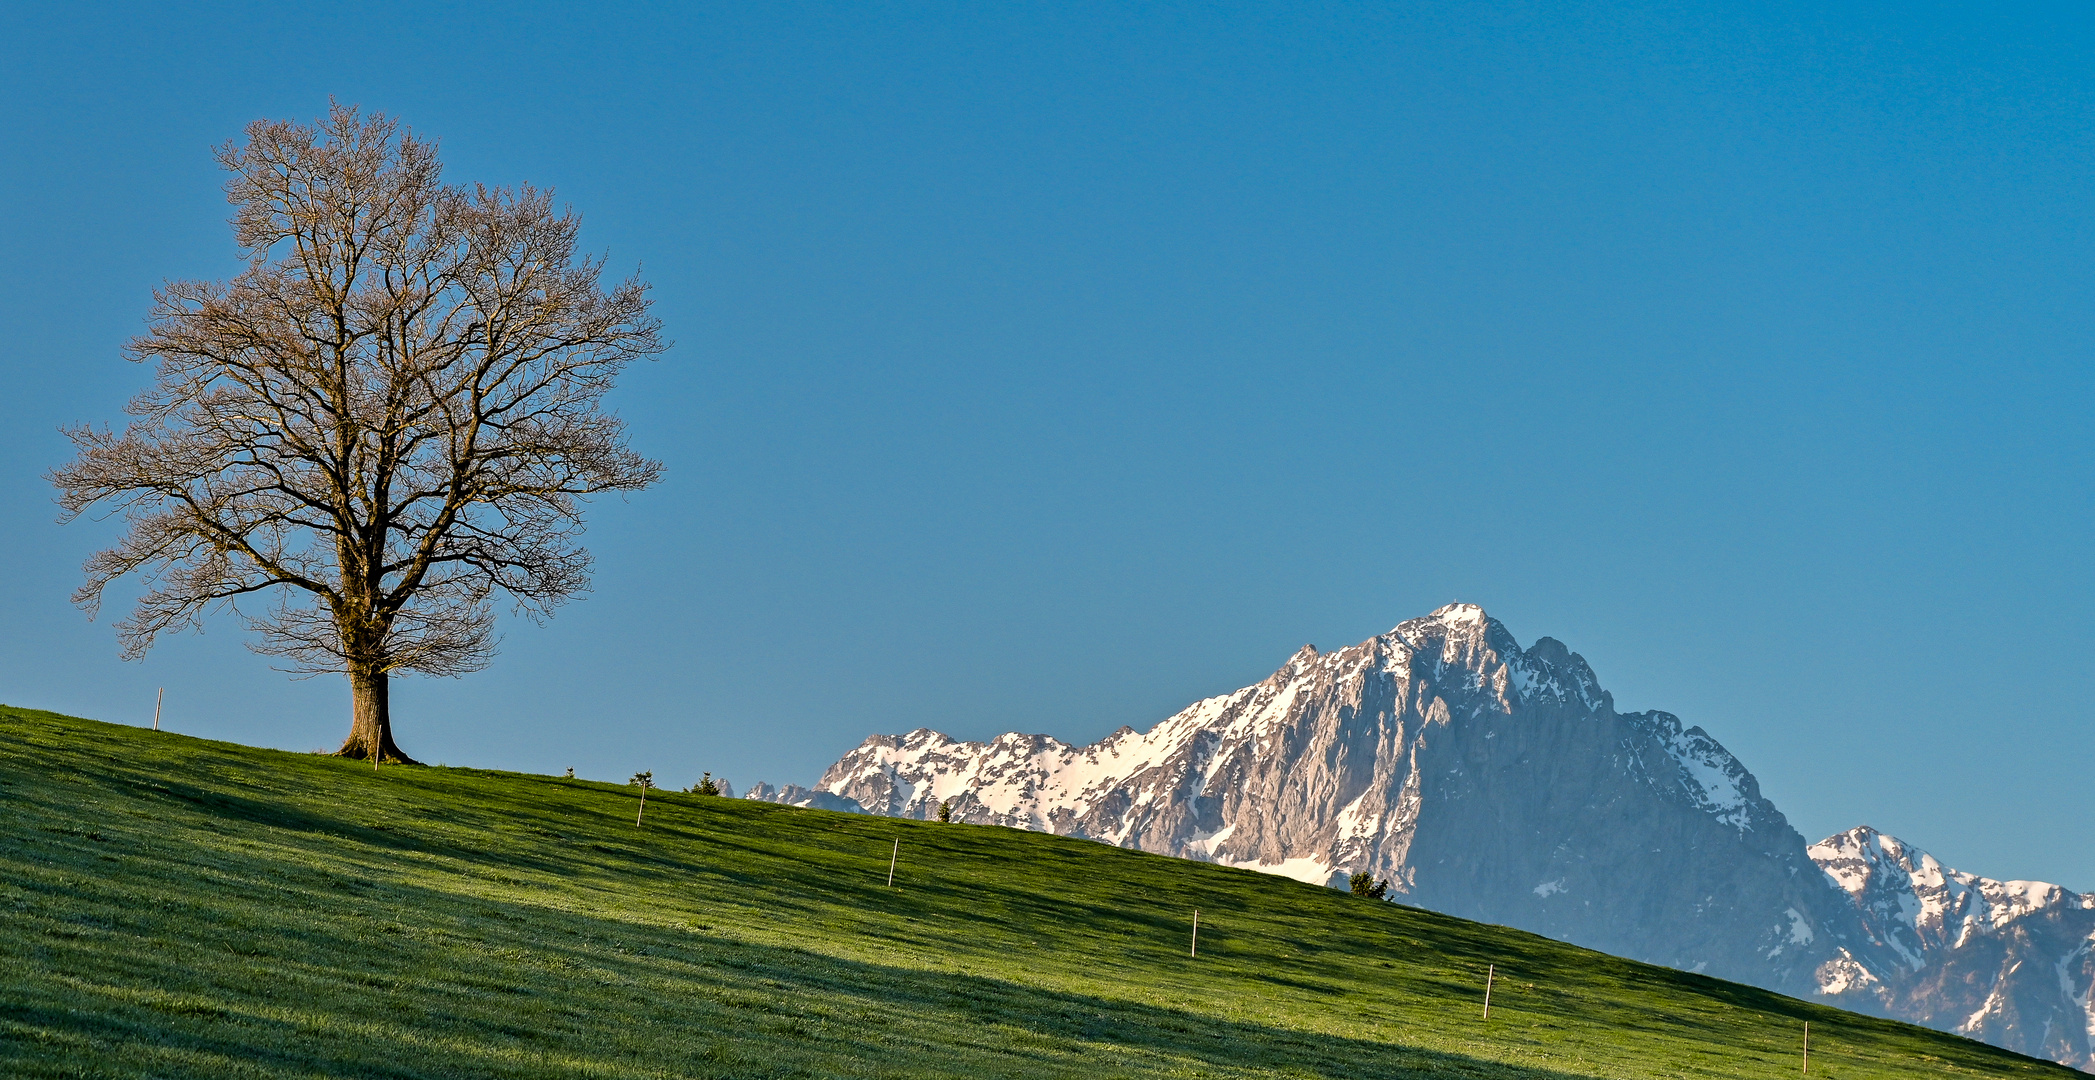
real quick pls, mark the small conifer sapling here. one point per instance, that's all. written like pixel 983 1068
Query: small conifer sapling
pixel 1364 884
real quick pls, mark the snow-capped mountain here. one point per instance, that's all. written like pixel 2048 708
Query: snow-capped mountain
pixel 2009 962
pixel 1483 780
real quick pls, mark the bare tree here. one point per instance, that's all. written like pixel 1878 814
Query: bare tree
pixel 391 418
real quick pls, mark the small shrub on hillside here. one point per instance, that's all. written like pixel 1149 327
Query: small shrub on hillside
pixel 1364 884
pixel 945 812
pixel 705 786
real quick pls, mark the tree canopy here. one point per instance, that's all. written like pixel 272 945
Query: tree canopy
pixel 390 420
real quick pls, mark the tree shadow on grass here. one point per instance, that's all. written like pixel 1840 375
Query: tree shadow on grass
pixel 274 813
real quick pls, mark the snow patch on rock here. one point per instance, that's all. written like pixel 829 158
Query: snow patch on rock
pixel 1709 774
pixel 1842 974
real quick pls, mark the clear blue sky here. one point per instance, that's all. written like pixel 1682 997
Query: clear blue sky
pixel 1049 367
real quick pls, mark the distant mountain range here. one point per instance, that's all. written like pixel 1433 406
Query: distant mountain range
pixel 1499 784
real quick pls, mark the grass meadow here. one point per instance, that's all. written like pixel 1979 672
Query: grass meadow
pixel 174 907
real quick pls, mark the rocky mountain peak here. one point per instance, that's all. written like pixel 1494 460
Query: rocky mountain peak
pixel 1395 756
pixel 1862 857
pixel 1459 614
pixel 1550 652
pixel 1455 622
pixel 1499 783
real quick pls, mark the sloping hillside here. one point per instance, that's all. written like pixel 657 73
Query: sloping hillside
pixel 176 907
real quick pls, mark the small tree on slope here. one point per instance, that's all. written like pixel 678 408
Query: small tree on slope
pixel 388 420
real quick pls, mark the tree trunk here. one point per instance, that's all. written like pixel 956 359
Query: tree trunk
pixel 371 729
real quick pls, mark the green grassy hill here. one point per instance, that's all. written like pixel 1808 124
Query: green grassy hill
pixel 171 907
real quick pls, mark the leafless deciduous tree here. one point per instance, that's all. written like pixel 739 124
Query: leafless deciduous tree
pixel 384 425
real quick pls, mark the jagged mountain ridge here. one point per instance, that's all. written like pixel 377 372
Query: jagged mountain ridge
pixel 1483 779
pixel 2010 962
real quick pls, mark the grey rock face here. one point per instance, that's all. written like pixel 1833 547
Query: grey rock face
pixel 1483 780
pixel 795 795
